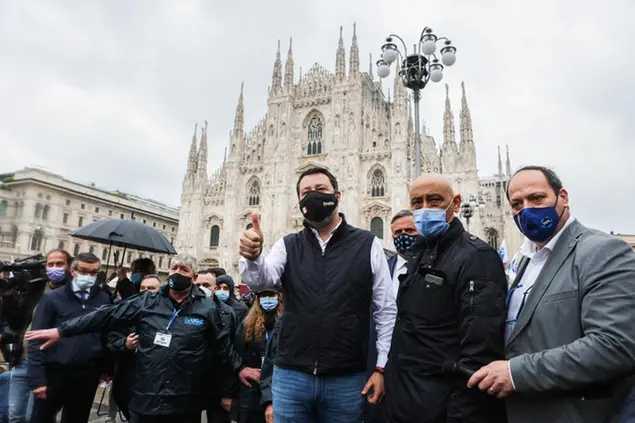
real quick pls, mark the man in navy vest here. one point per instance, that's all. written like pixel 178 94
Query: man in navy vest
pixel 404 235
pixel 331 273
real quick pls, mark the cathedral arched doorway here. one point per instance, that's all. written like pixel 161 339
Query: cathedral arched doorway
pixel 492 238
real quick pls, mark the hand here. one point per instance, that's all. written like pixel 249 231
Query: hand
pixel 40 392
pixel 132 341
pixel 251 241
pixel 376 385
pixel 247 374
pixel 495 379
pixel 227 404
pixel 49 336
pixel 269 414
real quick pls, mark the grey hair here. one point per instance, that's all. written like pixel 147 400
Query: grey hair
pixel 187 259
pixel 403 213
pixel 84 258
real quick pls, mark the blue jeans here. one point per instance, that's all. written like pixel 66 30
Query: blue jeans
pixel 20 398
pixel 300 397
pixel 5 382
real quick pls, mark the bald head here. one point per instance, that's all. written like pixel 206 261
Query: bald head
pixel 434 190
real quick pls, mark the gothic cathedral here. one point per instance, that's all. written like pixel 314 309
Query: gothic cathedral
pixel 342 121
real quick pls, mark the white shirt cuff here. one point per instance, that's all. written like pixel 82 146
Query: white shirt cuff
pixel 382 359
pixel 511 378
pixel 256 264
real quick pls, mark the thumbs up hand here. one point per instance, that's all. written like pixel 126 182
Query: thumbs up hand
pixel 251 241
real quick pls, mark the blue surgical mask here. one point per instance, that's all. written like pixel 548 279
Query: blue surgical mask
pixel 431 223
pixel 135 278
pixel 404 242
pixel 538 223
pixel 56 274
pixel 269 304
pixel 85 282
pixel 222 295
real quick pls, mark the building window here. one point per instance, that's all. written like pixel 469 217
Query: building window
pixel 154 224
pixel 65 218
pixel 91 249
pixel 377 227
pixel 68 202
pixel 214 236
pixel 83 206
pixel 96 209
pixel 38 211
pixel 253 196
pixel 172 240
pixel 492 238
pixel 80 221
pixel 45 212
pixel 129 258
pixel 122 215
pixel 109 212
pixel 377 184
pixel 172 228
pixel 3 208
pixel 164 227
pixel 314 136
pixel 60 245
pixel 104 254
pixel 144 221
pixel 36 240
pixel 76 249
pixel 160 262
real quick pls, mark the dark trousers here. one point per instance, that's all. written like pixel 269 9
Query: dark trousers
pixel 72 391
pixel 170 418
pixel 217 414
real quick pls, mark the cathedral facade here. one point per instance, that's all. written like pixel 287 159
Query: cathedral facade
pixel 344 122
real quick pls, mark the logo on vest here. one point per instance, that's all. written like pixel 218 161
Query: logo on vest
pixel 193 321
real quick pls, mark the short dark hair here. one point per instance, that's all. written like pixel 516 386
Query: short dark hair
pixel 315 171
pixel 552 179
pixel 143 265
pixel 66 254
pixel 216 271
pixel 403 213
pixel 89 258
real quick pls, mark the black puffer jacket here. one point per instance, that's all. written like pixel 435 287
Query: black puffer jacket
pixel 168 380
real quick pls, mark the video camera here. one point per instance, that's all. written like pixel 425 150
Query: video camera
pixel 22 285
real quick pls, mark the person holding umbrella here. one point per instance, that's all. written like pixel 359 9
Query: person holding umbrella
pixel 177 327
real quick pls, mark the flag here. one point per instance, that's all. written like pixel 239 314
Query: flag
pixel 502 252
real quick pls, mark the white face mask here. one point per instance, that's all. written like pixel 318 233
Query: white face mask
pixel 208 292
pixel 85 282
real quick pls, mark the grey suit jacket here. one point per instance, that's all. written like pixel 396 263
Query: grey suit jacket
pixel 573 347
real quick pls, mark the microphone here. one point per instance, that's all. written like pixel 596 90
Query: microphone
pixel 454 367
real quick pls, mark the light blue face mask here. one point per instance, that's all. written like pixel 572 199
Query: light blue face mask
pixel 85 282
pixel 269 304
pixel 222 295
pixel 431 223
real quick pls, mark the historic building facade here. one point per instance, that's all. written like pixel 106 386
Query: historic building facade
pixel 342 121
pixel 39 210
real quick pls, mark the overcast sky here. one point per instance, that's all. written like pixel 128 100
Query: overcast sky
pixel 108 91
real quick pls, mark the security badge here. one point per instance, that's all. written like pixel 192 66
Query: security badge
pixel 163 339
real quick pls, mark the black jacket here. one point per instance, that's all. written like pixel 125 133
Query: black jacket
pixel 225 381
pixel 88 350
pixel 451 308
pixel 125 363
pixel 327 302
pixel 168 380
pixel 266 372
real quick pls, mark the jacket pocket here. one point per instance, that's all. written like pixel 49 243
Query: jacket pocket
pixel 485 298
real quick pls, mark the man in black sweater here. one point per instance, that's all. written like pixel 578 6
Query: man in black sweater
pixel 66 376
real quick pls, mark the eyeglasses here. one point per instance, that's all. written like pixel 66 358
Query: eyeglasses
pixel 85 272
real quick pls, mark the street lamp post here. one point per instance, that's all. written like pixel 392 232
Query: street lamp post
pixel 417 69
pixel 467 211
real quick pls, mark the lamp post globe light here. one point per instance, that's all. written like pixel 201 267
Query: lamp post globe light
pixel 417 69
pixel 467 211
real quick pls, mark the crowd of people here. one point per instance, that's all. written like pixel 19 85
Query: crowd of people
pixel 337 333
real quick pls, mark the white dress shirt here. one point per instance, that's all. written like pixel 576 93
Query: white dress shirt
pixel 519 294
pixel 401 268
pixel 266 271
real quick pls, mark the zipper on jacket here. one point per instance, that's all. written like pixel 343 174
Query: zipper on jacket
pixel 471 289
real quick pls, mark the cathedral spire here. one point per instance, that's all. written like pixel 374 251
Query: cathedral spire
pixel 239 119
pixel 500 162
pixel 449 139
pixel 370 66
pixel 191 160
pixel 276 83
pixel 466 118
pixel 288 69
pixel 340 59
pixel 354 56
pixel 508 164
pixel 201 168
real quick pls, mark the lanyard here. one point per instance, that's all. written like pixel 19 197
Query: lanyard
pixel 173 318
pixel 522 303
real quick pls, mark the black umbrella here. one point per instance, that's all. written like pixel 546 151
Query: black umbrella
pixel 125 233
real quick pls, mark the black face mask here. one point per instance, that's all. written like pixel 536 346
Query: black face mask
pixel 316 207
pixel 179 282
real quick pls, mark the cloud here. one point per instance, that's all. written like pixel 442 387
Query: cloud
pixel 108 92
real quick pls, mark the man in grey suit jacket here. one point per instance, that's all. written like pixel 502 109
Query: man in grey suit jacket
pixel 570 336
